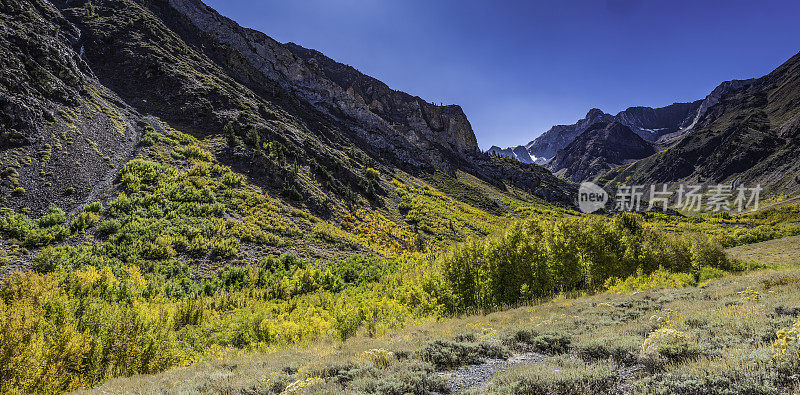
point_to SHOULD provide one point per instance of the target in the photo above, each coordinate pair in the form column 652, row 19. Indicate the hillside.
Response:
column 96, row 94
column 113, row 67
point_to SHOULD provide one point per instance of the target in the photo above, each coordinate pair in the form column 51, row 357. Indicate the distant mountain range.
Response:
column 658, row 125
column 746, row 132
column 650, row 124
column 743, row 131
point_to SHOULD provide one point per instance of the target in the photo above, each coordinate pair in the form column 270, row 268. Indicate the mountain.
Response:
column 604, row 145
column 547, row 145
column 709, row 101
column 519, row 153
column 651, row 124
column 748, row 133
column 84, row 81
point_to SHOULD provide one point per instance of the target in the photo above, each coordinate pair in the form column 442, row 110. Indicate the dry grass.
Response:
column 784, row 251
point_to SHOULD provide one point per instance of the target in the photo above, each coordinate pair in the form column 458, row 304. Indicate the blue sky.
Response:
column 518, row 67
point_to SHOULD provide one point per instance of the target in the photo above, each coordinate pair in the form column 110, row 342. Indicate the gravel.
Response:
column 474, row 376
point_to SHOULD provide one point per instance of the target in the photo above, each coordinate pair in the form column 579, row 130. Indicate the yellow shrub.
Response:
column 786, row 345
column 380, row 357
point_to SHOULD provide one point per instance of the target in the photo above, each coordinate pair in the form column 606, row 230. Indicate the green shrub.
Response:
column 54, row 216
column 109, row 226
column 409, row 377
column 536, row 258
column 557, row 375
column 718, row 384
column 34, row 234
column 450, row 355
column 620, row 349
column 657, row 279
column 533, row 341
column 96, row 207
column 150, row 137
column 83, row 221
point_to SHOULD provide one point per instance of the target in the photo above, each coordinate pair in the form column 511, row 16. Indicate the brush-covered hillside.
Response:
column 178, row 191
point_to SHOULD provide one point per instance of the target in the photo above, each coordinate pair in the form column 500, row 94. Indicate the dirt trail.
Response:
column 475, row 376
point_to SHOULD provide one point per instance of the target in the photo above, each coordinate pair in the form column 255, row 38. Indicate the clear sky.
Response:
column 519, row 67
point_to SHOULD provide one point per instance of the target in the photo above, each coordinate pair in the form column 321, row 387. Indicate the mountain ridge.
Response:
column 745, row 137
column 290, row 126
column 649, row 123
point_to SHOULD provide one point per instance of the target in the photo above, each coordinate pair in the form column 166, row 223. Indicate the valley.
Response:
column 191, row 206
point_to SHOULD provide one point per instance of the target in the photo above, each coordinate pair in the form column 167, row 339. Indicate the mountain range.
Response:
column 750, row 135
column 66, row 105
column 651, row 124
column 743, row 131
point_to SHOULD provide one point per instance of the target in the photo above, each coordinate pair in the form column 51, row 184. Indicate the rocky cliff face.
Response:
column 603, row 146
column 700, row 112
column 446, row 126
column 652, row 124
column 340, row 90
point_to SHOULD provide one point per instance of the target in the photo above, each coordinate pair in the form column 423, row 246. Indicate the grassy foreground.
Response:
column 736, row 334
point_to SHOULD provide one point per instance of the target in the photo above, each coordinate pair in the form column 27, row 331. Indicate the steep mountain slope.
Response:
column 84, row 78
column 709, row 101
column 62, row 134
column 602, row 146
column 751, row 135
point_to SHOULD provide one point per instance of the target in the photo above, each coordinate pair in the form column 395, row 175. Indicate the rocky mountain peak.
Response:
column 595, row 113
column 602, row 146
